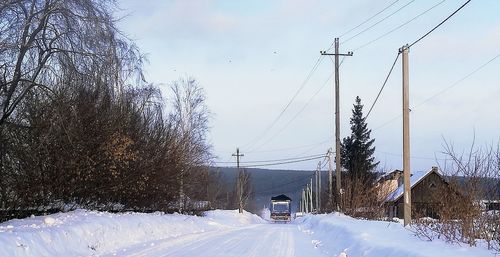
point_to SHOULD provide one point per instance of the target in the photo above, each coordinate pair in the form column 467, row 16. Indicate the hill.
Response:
column 267, row 183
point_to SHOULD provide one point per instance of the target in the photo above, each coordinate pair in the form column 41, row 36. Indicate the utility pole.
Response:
column 238, row 155
column 306, row 195
column 239, row 186
column 330, row 180
column 302, row 201
column 311, row 207
column 319, row 187
column 406, row 137
column 337, row 119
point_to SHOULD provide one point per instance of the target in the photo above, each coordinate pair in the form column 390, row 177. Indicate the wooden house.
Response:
column 424, row 187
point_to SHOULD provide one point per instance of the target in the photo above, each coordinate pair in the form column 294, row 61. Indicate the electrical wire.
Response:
column 273, row 189
column 442, row 91
column 314, row 147
column 388, row 122
column 279, row 160
column 383, row 85
column 398, row 27
column 378, row 22
column 296, row 115
column 309, row 75
column 411, row 157
column 281, row 163
column 369, row 19
column 458, row 81
column 437, row 26
column 324, row 165
column 292, row 148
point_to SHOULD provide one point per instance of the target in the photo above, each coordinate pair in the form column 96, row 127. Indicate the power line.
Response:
column 378, row 22
column 324, row 164
column 280, row 160
column 297, row 114
column 437, row 26
column 458, row 81
column 314, row 147
column 272, row 189
column 280, row 163
column 383, row 85
column 388, row 122
column 412, row 157
column 442, row 91
column 369, row 19
column 313, row 69
column 400, row 26
column 292, row 148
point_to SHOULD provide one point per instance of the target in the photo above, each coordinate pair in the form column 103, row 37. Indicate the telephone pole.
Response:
column 239, row 186
column 238, row 155
column 337, row 119
column 330, row 180
column 406, row 138
column 319, row 187
column 316, row 199
column 311, row 207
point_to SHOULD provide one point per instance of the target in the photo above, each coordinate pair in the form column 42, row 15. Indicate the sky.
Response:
column 252, row 57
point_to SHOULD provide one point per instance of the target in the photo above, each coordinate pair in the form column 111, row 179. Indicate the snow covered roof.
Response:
column 388, row 175
column 415, row 178
column 280, row 198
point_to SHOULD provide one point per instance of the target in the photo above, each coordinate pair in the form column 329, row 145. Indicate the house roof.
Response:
column 388, row 175
column 281, row 198
column 415, row 178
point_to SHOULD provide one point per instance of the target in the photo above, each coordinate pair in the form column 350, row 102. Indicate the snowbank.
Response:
column 89, row 233
column 338, row 234
column 233, row 218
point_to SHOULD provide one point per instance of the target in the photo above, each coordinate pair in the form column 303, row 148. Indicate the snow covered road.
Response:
column 259, row 240
column 216, row 233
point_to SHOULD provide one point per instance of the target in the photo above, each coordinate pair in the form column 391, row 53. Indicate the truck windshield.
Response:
column 280, row 207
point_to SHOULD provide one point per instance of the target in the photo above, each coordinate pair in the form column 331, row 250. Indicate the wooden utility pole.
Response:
column 304, row 199
column 238, row 155
column 319, row 187
column 330, row 180
column 337, row 120
column 311, row 207
column 239, row 185
column 406, row 138
column 301, row 206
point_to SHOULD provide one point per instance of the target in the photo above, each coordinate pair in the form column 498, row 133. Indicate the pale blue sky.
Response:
column 252, row 56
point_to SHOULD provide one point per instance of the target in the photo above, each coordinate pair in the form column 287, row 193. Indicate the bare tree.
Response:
column 40, row 40
column 472, row 176
column 243, row 189
column 191, row 116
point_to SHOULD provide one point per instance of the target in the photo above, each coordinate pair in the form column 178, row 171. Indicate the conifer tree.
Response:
column 357, row 149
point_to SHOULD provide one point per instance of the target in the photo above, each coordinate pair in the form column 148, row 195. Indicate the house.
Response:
column 388, row 183
column 424, row 186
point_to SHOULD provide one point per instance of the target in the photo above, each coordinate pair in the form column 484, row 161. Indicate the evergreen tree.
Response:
column 357, row 149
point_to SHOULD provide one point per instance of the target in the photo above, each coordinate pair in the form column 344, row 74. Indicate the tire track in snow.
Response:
column 263, row 240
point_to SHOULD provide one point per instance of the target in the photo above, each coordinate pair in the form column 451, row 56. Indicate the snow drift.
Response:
column 340, row 235
column 90, row 233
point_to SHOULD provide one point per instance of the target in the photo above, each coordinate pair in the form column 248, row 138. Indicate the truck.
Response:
column 281, row 208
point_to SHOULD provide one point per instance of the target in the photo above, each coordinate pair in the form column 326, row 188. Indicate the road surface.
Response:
column 262, row 240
